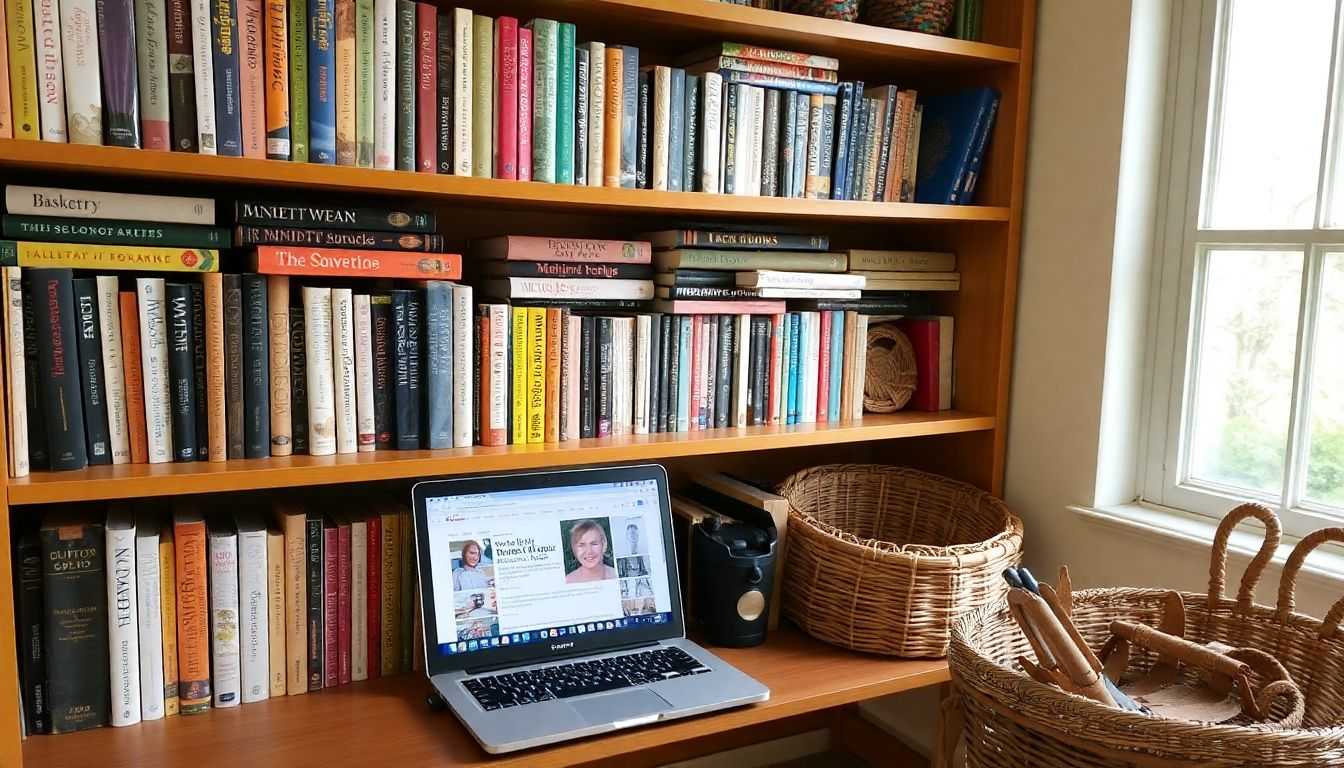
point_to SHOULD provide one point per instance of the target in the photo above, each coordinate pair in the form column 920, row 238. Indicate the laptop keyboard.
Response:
column 579, row 678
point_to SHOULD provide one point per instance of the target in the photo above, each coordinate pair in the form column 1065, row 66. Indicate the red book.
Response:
column 717, row 307
column 426, row 98
column 524, row 104
column 773, row 413
column 534, row 248
column 923, row 334
column 824, row 369
column 330, row 603
column 135, row 383
column 343, row 602
column 506, row 98
column 693, row 413
column 375, row 536
column 338, row 262
column 252, row 79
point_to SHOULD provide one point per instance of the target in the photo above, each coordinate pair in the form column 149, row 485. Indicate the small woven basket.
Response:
column 1011, row 721
column 884, row 559
column 890, row 376
column 844, row 10
column 931, row 16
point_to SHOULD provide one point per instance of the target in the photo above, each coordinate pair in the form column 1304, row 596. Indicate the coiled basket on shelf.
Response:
column 933, row 17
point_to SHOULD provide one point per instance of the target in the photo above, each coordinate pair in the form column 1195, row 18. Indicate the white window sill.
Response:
column 1325, row 566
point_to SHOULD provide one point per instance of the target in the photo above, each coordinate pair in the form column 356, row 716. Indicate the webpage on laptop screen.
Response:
column 531, row 565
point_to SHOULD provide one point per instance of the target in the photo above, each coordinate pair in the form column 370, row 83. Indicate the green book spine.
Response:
column 482, row 95
column 364, row 83
column 54, row 229
column 545, row 41
column 298, row 80
column 9, row 253
column 564, row 106
column 405, row 85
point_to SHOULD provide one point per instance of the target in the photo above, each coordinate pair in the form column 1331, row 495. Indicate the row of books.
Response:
column 144, row 612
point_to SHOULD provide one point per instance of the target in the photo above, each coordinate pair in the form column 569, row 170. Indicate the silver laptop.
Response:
column 551, row 608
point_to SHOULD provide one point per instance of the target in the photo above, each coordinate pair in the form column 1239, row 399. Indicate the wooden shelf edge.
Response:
column 142, row 480
column 178, row 166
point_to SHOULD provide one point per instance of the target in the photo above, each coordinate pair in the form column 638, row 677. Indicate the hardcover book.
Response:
column 227, row 88
column 193, row 609
column 123, row 623
column 321, row 65
column 337, row 238
column 225, row 667
column 252, row 77
column 256, row 376
column 116, row 48
column 181, row 371
column 278, row 214
column 298, row 80
column 97, row 434
column 74, row 595
column 276, row 37
column 324, row 262
column 52, row 296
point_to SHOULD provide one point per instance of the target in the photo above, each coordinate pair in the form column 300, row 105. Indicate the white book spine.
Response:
column 746, row 120
column 500, row 391
column 149, row 604
column 359, row 600
column 343, row 369
column 756, row 139
column 860, row 365
column 572, row 340
column 225, row 678
column 154, row 366
column 317, row 349
column 123, row 626
column 385, row 82
column 627, row 390
column 151, row 47
column 50, row 71
column 254, row 615
column 83, row 71
column 462, row 101
column 109, row 322
column 743, row 361
column 769, row 278
column 83, row 204
column 662, row 121
column 709, row 134
column 641, row 412
column 813, row 370
column 364, row 425
column 463, row 328
column 16, row 401
column 597, row 109
column 204, row 76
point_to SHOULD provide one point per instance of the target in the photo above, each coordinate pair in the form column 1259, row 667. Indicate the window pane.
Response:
column 1325, row 455
column 1247, row 336
column 1267, row 139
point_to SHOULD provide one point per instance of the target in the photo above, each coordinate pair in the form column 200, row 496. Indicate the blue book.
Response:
column 786, row 372
column 564, row 104
column 676, row 124
column 982, row 134
column 802, row 111
column 629, row 113
column 844, row 123
column 728, row 139
column 947, row 142
column 321, row 82
column 690, row 147
column 439, row 364
column 778, row 83
column 684, row 382
column 228, row 96
column 795, row 364
column 837, row 343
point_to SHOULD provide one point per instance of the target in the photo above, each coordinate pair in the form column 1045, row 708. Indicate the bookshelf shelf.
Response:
column 298, row 178
column 140, row 480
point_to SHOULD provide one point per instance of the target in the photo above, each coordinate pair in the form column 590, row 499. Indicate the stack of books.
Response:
column 575, row 272
column 899, row 282
column 158, row 611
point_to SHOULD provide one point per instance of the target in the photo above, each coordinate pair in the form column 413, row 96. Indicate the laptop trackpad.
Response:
column 640, row 705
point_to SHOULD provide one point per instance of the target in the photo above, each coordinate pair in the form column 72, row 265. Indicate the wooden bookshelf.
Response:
column 386, row 721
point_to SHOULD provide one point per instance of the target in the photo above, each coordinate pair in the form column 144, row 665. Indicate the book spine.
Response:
column 482, row 100
column 343, row 369
column 53, row 300
column 167, row 608
column 557, row 249
column 545, row 95
column 275, row 612
column 22, row 69
column 17, row 375
column 253, row 616
column 68, row 230
column 777, row 69
column 50, row 76
column 214, row 402
column 134, row 377
column 406, row 322
column 518, row 377
column 407, row 598
column 389, row 633
column 438, row 365
column 660, row 113
column 123, row 625
column 298, row 373
column 75, row 626
column 685, row 373
column 643, row 126
column 81, row 69
column 613, row 92
column 443, row 124
column 94, row 387
column 855, row 141
column 193, row 617
column 30, row 641
column 365, row 431
column 317, row 333
column 313, row 579
column 341, row 239
column 226, row 670
column 536, row 374
column 359, row 600
column 278, row 356
column 150, row 628
column 525, row 83
column 730, row 154
column 252, row 77
column 343, row 83
column 321, row 80
column 676, row 117
column 364, row 83
column 788, row 119
column 462, row 366
column 758, row 53
column 564, row 103
column 570, row 391
column 375, row 599
column 32, row 387
column 330, row 605
column 343, row 672
column 692, row 126
column 384, row 340
column 839, row 150
column 426, row 94
column 463, row 56
column 81, row 256
column 711, row 135
column 740, row 261
column 224, row 52
column 156, row 354
column 770, row 146
column 116, row 49
column 256, row 378
column 604, row 351
column 582, row 114
column 298, row 80
column 406, row 86
column 587, row 378
column 385, row 84
column 293, row 525
column 276, row 40
column 554, row 324
column 496, row 415
column 181, row 371
column 629, row 114
column 641, row 383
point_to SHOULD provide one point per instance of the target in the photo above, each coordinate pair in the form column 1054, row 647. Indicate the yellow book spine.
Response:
column 275, row 620
column 22, row 68
column 121, row 257
column 391, row 623
column 519, row 382
column 536, row 375
column 168, row 609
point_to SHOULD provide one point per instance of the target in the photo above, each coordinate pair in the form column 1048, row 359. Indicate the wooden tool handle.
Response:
column 1179, row 648
column 1072, row 662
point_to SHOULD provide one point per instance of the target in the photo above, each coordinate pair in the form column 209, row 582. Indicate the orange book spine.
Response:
column 277, row 80
column 193, row 626
column 252, row 77
column 134, row 374
column 554, row 334
column 611, row 129
column 336, row 262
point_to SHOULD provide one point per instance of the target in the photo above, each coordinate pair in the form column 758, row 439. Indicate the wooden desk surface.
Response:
column 386, row 721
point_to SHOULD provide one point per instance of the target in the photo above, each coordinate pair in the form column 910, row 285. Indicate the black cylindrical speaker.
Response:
column 732, row 578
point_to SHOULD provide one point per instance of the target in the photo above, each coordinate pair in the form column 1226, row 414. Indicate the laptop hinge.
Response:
column 559, row 657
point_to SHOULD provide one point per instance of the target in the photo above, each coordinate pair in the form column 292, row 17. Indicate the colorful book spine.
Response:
column 228, row 98
column 597, row 111
column 525, row 104
column 193, row 612
column 23, row 94
column 365, row 80
column 321, row 82
column 385, row 84
column 535, row 343
column 276, row 36
column 252, row 76
column 629, row 127
column 335, row 238
column 82, row 70
column 506, row 103
column 365, row 422
column 564, row 104
column 482, row 99
column 280, row 260
column 343, row 369
column 344, row 95
column 518, row 374
column 443, row 124
column 119, row 257
column 320, row 382
column 181, row 88
column 168, row 617
column 278, row 357
column 406, row 310
column 226, row 668
column 426, row 88
column 438, row 365
column 116, row 47
column 50, row 72
column 545, row 85
column 298, row 80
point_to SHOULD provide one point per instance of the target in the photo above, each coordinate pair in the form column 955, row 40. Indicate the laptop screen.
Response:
column 536, row 565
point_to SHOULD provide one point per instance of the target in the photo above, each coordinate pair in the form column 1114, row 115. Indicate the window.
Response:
column 1247, row 397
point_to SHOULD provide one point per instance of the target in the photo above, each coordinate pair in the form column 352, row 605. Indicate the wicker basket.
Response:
column 884, row 559
column 890, row 377
column 1009, row 719
column 931, row 16
column 844, row 10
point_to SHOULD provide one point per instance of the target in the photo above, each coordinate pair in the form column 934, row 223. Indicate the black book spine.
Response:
column 655, row 350
column 37, row 428
column 605, row 305
column 198, row 365
column 690, row 167
column 664, row 366
column 97, row 433
column 181, row 79
column 674, row 371
column 313, row 571
column 406, row 390
column 587, row 377
column 339, row 238
column 62, row 407
column 724, row 378
column 888, row 116
column 770, row 146
column 844, row 126
column 710, row 292
column 406, row 85
column 32, row 655
column 605, row 370
column 480, row 341
column 74, row 596
column 760, row 370
column 704, row 277
column 643, row 131
column 256, row 369
column 298, row 378
column 444, row 70
column 582, row 103
column 275, row 214
column 181, row 371
column 728, row 168
column 415, row 355
column 384, row 346
column 853, row 142
column 577, row 269
column 233, row 364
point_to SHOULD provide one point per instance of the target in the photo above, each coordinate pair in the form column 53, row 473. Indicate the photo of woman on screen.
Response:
column 470, row 574
column 589, row 545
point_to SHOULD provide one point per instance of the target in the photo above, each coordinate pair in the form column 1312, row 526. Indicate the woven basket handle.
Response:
column 1288, row 584
column 1218, row 566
